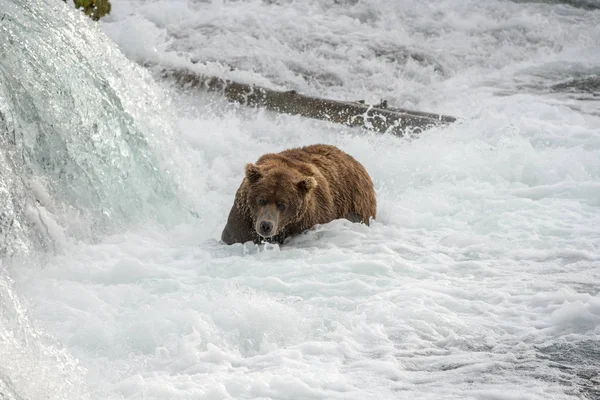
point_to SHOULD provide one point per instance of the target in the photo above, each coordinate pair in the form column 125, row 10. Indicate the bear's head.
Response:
column 276, row 197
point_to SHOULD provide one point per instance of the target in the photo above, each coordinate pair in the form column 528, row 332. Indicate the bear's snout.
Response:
column 267, row 221
column 266, row 228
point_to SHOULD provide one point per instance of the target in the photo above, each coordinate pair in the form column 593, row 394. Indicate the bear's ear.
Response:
column 253, row 173
column 307, row 184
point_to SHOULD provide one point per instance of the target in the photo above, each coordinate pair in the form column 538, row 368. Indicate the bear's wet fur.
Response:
column 286, row 193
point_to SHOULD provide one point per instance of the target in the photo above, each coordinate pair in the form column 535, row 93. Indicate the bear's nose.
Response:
column 266, row 227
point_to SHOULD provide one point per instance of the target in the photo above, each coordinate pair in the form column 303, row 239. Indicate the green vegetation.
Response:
column 95, row 9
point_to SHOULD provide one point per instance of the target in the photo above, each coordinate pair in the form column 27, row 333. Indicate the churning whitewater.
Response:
column 480, row 278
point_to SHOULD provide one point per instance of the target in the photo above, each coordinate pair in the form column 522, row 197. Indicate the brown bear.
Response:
column 286, row 193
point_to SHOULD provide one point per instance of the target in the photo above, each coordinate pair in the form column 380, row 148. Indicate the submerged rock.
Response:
column 588, row 84
column 586, row 4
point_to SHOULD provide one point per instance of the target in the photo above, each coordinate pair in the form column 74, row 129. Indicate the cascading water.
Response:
column 73, row 142
column 76, row 160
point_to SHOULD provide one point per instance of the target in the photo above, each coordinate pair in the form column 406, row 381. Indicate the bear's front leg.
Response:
column 238, row 228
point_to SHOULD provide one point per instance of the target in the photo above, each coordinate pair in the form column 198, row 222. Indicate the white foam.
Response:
column 484, row 250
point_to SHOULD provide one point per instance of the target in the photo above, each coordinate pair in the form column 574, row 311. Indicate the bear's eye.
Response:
column 281, row 206
column 262, row 202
